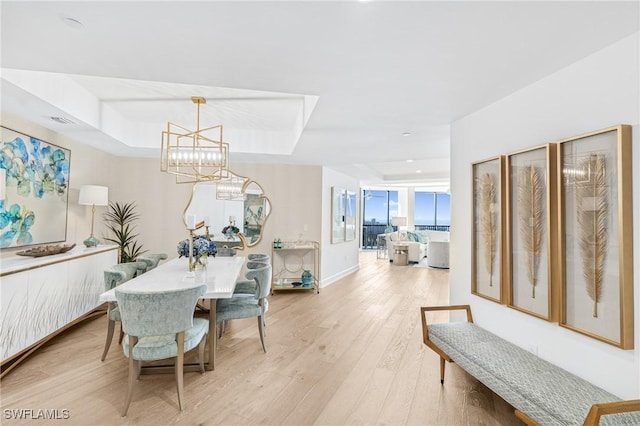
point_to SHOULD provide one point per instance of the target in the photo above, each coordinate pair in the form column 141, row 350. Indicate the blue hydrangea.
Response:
column 201, row 246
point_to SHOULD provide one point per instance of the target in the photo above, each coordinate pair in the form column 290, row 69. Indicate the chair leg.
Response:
column 180, row 369
column 121, row 335
column 261, row 330
column 203, row 344
column 220, row 329
column 132, row 377
column 107, row 344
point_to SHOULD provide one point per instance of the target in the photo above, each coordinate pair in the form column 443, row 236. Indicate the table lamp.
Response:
column 399, row 221
column 93, row 195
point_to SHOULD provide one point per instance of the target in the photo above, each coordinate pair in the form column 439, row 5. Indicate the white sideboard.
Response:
column 40, row 296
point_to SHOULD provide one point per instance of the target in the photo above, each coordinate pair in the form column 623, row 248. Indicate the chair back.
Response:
column 262, row 276
column 226, row 252
column 156, row 313
column 255, row 264
column 152, row 259
column 259, row 257
column 122, row 272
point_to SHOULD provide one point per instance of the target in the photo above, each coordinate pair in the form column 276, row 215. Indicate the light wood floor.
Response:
column 352, row 354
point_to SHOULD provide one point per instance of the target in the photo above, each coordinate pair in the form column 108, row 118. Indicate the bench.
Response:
column 540, row 392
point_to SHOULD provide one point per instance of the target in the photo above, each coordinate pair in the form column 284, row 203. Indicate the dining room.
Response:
column 349, row 355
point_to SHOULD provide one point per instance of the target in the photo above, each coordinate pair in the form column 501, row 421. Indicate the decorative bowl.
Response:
column 47, row 250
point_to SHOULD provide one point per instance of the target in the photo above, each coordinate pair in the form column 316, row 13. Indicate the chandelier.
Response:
column 194, row 156
column 231, row 188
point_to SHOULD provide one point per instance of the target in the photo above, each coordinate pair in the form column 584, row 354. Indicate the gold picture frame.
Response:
column 531, row 231
column 596, row 235
column 487, row 242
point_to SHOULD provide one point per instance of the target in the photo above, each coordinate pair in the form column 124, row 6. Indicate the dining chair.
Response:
column 152, row 259
column 160, row 325
column 248, row 286
column 248, row 307
column 226, row 252
column 114, row 276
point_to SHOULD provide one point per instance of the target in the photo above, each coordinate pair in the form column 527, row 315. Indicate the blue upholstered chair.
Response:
column 226, row 252
column 114, row 276
column 152, row 260
column 248, row 307
column 160, row 325
column 259, row 257
column 248, row 286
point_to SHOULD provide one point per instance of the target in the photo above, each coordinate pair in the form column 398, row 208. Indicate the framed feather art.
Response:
column 595, row 199
column 531, row 231
column 487, row 228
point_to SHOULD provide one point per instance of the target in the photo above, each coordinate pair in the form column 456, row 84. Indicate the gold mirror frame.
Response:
column 244, row 240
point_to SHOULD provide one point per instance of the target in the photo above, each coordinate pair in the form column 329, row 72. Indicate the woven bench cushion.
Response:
column 545, row 392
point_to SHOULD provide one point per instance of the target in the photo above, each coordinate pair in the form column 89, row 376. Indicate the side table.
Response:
column 400, row 254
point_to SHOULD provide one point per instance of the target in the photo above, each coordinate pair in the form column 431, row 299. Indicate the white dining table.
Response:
column 220, row 277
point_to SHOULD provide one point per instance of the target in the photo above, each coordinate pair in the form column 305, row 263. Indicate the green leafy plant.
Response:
column 120, row 220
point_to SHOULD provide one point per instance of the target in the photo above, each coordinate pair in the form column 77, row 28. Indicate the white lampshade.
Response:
column 399, row 221
column 94, row 195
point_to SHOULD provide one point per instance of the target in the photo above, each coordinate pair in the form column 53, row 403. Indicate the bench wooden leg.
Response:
column 442, row 361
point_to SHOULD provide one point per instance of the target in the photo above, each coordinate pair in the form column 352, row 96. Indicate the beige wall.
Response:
column 88, row 166
column 295, row 193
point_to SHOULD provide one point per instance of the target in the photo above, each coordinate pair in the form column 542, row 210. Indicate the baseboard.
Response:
column 336, row 277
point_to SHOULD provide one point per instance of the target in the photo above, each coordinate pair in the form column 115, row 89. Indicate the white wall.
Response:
column 597, row 92
column 341, row 259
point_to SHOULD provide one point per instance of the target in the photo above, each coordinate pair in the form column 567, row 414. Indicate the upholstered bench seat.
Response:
column 544, row 392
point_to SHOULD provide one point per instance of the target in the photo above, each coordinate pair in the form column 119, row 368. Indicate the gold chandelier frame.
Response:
column 194, row 156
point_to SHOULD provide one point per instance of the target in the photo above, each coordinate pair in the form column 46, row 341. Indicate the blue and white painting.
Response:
column 34, row 209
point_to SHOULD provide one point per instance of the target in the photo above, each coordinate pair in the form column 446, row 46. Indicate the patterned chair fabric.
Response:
column 546, row 393
column 248, row 307
column 248, row 287
column 160, row 325
column 152, row 260
column 114, row 276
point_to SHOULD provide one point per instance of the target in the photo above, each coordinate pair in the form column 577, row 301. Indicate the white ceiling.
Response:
column 321, row 83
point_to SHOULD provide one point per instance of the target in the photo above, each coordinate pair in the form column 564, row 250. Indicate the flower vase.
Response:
column 202, row 261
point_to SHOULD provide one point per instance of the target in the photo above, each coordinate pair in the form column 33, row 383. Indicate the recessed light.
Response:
column 72, row 23
column 418, row 171
column 409, row 161
column 405, row 134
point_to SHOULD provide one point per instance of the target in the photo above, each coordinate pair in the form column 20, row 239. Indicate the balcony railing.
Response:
column 371, row 232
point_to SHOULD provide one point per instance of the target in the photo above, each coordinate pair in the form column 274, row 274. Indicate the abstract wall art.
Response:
column 34, row 208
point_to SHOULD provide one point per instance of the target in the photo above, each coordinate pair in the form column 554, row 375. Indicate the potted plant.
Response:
column 120, row 220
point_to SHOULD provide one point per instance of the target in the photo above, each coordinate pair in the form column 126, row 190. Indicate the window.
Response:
column 378, row 207
column 432, row 211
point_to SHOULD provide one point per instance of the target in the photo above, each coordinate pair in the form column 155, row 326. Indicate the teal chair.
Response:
column 226, row 252
column 152, row 260
column 248, row 307
column 114, row 276
column 160, row 325
column 259, row 257
column 248, row 286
